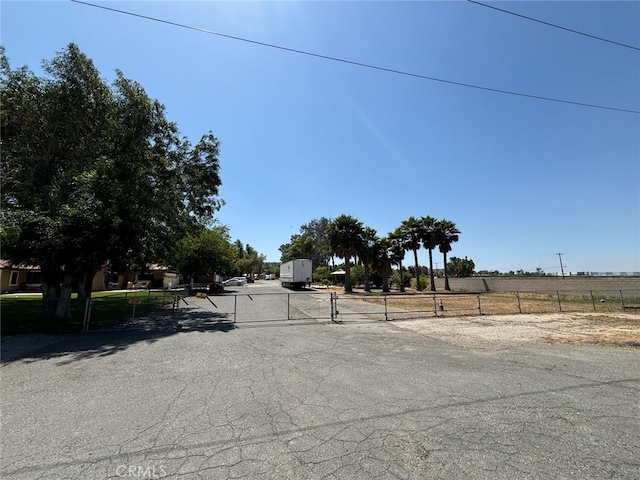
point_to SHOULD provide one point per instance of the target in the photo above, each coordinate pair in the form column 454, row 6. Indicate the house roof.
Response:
column 8, row 265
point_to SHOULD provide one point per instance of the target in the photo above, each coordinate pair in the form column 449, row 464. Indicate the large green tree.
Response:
column 345, row 238
column 92, row 173
column 464, row 267
column 312, row 242
column 249, row 260
column 205, row 253
column 301, row 246
column 317, row 229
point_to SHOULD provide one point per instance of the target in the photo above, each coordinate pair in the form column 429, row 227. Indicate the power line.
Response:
column 554, row 25
column 359, row 64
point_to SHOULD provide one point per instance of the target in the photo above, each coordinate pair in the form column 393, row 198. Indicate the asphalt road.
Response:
column 313, row 399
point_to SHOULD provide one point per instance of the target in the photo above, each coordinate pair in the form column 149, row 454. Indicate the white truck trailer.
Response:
column 296, row 273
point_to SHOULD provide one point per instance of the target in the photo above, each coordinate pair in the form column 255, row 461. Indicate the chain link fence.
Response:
column 198, row 308
column 395, row 306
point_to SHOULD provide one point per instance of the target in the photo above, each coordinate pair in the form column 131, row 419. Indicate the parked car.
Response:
column 235, row 281
column 249, row 279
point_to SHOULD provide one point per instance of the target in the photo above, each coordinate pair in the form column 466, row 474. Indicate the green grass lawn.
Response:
column 23, row 313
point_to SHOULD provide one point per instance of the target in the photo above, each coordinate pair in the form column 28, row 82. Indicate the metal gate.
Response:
column 208, row 309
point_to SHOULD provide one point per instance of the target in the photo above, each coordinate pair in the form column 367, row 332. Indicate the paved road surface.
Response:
column 313, row 400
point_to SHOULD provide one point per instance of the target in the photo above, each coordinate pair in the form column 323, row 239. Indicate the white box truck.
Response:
column 296, row 273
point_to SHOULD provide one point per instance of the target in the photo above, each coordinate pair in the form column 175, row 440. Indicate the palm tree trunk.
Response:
column 367, row 286
column 415, row 257
column 401, row 277
column 347, row 277
column 385, row 283
column 446, row 277
column 432, row 282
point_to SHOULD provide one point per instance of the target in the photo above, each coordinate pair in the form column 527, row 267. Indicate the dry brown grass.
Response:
column 460, row 320
column 493, row 303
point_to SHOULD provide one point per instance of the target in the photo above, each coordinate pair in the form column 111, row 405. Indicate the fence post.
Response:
column 593, row 301
column 87, row 315
column 519, row 306
column 124, row 309
column 334, row 307
column 173, row 307
column 435, row 305
column 559, row 303
column 331, row 305
column 386, row 318
column 479, row 306
column 622, row 298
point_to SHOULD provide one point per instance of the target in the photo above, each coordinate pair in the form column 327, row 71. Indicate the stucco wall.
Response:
column 540, row 284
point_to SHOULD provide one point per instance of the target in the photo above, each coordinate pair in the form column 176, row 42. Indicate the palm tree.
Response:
column 430, row 241
column 345, row 238
column 382, row 260
column 301, row 246
column 367, row 253
column 447, row 233
column 396, row 252
column 412, row 234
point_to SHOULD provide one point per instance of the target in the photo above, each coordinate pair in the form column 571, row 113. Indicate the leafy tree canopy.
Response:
column 345, row 235
column 94, row 172
column 249, row 260
column 301, row 246
column 206, row 253
column 312, row 242
column 461, row 267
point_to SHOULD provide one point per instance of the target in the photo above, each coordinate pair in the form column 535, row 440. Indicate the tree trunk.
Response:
column 433, row 283
column 415, row 256
column 78, row 281
column 50, row 288
column 347, row 277
column 85, row 284
column 385, row 279
column 50, row 294
column 401, row 277
column 367, row 286
column 446, row 276
column 64, row 302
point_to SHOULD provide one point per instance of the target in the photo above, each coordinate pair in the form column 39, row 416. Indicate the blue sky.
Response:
column 305, row 137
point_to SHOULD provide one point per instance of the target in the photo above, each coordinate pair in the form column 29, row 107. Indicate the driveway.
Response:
column 312, row 400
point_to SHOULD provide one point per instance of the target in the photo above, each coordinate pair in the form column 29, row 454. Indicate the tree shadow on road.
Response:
column 100, row 343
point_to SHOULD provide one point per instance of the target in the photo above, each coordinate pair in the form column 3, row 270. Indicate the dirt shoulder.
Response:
column 617, row 330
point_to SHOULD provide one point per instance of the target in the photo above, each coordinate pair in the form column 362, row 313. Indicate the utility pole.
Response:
column 561, row 267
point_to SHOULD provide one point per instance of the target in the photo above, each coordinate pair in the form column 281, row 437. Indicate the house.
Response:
column 154, row 276
column 25, row 278
column 19, row 278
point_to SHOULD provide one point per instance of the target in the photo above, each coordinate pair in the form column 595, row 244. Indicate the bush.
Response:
column 321, row 275
column 424, row 282
column 395, row 279
column 357, row 275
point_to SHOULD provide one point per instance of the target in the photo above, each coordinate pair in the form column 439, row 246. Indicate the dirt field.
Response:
column 619, row 330
column 472, row 320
